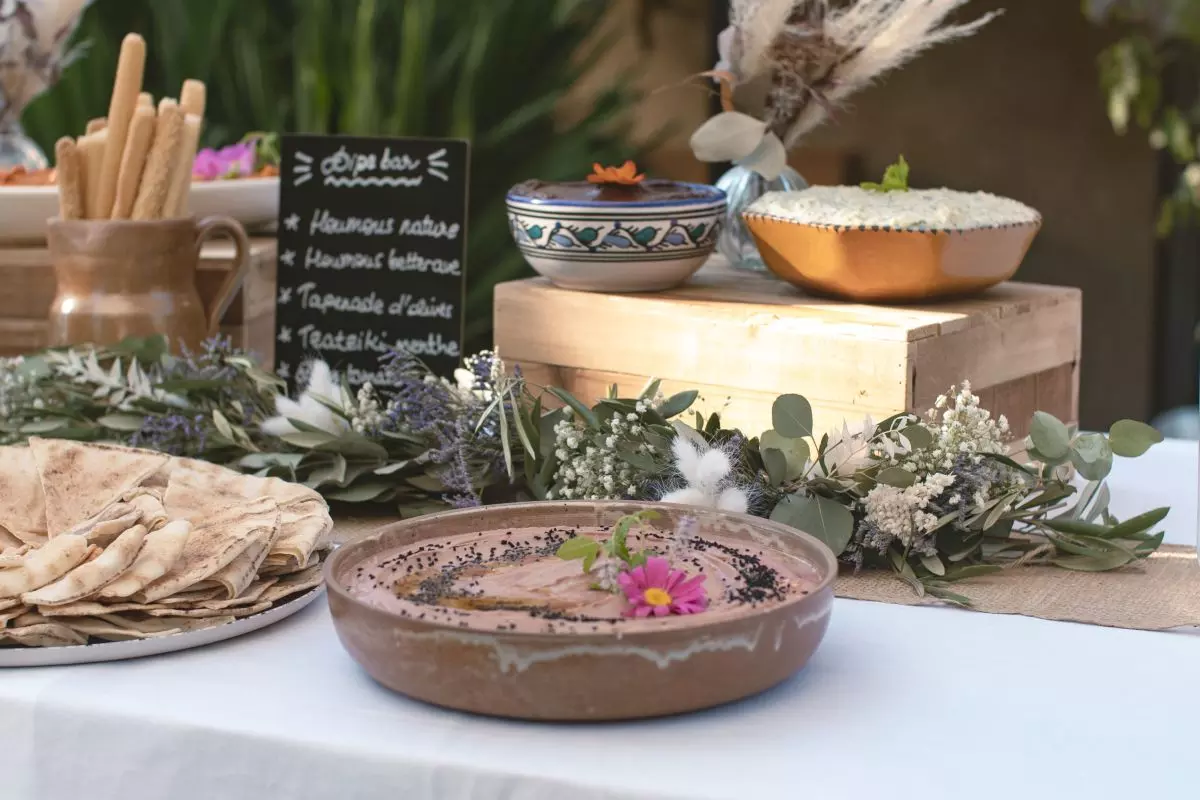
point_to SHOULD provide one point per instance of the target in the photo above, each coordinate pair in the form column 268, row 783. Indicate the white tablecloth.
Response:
column 898, row 702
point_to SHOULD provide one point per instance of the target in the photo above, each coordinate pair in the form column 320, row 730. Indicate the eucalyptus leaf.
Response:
column 45, row 425
column 999, row 510
column 1050, row 436
column 546, row 425
column 222, row 425
column 919, row 436
column 676, row 404
column 1102, row 563
column 639, row 461
column 1131, row 439
column 896, row 476
column 333, row 472
column 1139, row 523
column 795, row 452
column 791, row 416
column 776, row 465
column 1099, row 505
column 827, row 520
column 361, row 493
column 933, row 564
column 426, row 483
column 650, row 389
column 960, row 573
column 260, row 460
column 351, row 443
column 950, row 597
column 1076, row 526
column 584, row 413
column 307, row 440
column 1052, row 494
column 1092, row 456
column 505, row 440
column 122, row 422
column 1151, row 544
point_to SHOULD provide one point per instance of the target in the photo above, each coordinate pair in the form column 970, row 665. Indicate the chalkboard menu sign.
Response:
column 372, row 254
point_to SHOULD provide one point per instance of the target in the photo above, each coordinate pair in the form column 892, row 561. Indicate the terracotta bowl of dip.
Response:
column 543, row 667
column 601, row 238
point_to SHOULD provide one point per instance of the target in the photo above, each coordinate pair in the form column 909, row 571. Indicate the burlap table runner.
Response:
column 1160, row 593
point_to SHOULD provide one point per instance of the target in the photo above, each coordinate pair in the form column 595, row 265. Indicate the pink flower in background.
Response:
column 657, row 590
column 228, row 162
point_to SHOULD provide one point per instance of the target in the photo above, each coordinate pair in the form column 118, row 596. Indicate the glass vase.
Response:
column 743, row 186
column 18, row 150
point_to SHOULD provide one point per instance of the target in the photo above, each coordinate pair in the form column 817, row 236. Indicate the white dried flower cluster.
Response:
column 920, row 209
column 366, row 414
column 905, row 514
column 710, row 480
column 960, row 428
column 589, row 464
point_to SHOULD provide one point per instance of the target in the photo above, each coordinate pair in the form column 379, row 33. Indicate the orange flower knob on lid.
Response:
column 624, row 175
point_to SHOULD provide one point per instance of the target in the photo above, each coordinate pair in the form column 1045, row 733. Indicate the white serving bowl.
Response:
column 616, row 246
column 254, row 202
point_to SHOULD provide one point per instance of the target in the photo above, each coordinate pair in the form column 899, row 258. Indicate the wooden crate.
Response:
column 742, row 339
column 28, row 278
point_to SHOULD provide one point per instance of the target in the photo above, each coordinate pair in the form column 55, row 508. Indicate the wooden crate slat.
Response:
column 749, row 338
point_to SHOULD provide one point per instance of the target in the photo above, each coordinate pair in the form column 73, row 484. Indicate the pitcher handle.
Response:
column 206, row 229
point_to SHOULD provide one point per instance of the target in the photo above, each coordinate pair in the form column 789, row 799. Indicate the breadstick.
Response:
column 131, row 67
column 91, row 151
column 181, row 174
column 146, row 99
column 164, row 154
column 97, row 124
column 70, row 179
column 137, row 147
column 193, row 97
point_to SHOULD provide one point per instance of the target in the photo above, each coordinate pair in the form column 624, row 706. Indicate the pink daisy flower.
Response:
column 657, row 590
column 228, row 162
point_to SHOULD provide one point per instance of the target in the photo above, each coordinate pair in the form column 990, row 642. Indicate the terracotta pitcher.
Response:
column 119, row 278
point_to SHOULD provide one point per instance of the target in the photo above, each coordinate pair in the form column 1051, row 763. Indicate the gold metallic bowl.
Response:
column 889, row 264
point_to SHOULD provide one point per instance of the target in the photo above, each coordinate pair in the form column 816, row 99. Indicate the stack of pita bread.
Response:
column 107, row 543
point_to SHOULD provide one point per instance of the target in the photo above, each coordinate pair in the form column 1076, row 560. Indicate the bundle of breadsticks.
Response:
column 136, row 163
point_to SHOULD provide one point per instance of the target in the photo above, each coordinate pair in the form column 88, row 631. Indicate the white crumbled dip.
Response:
column 920, row 209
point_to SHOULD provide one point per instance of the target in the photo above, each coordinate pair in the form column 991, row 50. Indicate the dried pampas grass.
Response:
column 794, row 61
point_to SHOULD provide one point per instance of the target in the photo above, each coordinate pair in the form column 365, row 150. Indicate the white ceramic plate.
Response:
column 254, row 202
column 136, row 648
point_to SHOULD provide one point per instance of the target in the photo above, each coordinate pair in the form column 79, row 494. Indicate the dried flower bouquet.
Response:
column 786, row 65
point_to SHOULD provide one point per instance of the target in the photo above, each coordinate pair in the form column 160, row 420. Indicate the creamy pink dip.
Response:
column 511, row 579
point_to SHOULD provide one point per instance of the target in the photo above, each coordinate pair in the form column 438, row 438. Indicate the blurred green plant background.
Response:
column 1158, row 50
column 491, row 71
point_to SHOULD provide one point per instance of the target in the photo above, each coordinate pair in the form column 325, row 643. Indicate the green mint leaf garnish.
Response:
column 579, row 547
column 895, row 179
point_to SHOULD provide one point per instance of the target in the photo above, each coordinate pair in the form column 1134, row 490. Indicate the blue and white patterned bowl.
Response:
column 617, row 246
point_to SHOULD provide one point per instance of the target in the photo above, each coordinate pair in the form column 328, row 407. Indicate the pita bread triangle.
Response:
column 22, row 501
column 81, row 480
